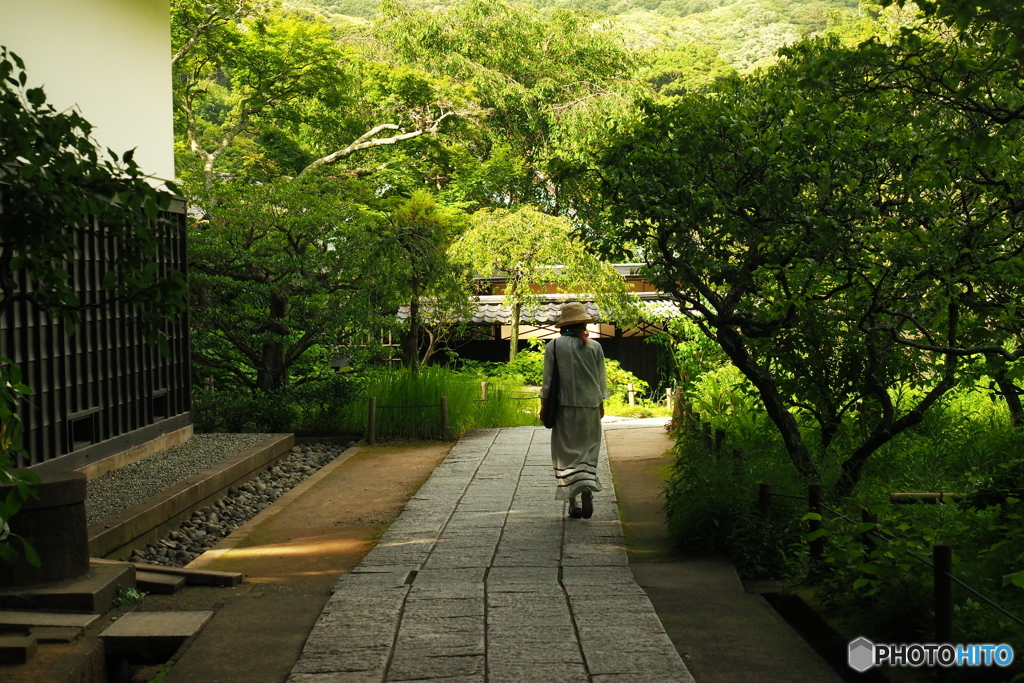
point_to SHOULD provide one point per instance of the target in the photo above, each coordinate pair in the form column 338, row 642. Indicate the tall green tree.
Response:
column 547, row 82
column 532, row 250
column 824, row 242
column 280, row 268
column 268, row 85
column 421, row 233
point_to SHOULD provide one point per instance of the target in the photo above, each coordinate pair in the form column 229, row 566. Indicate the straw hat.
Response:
column 572, row 313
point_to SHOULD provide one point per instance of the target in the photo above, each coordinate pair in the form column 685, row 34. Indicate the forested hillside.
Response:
column 744, row 33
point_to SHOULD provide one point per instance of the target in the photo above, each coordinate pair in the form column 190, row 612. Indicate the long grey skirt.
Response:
column 575, row 445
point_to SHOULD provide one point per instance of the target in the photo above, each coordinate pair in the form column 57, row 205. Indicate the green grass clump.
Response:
column 408, row 406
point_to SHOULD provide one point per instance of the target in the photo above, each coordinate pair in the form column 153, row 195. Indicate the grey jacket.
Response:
column 580, row 369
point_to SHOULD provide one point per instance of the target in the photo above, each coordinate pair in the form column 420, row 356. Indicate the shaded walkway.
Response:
column 483, row 575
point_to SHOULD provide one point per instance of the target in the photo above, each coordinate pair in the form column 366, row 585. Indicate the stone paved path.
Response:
column 484, row 578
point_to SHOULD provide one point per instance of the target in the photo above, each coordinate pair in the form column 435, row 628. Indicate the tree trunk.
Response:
column 1010, row 394
column 412, row 339
column 513, row 337
column 732, row 343
column 432, row 340
column 273, row 373
column 888, row 429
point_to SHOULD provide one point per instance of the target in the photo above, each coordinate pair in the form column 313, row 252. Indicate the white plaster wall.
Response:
column 108, row 58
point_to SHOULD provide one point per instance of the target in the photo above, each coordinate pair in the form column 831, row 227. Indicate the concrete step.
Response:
column 17, row 649
column 15, row 619
column 47, row 635
column 163, row 584
column 93, row 593
column 151, row 637
column 196, row 577
column 193, row 577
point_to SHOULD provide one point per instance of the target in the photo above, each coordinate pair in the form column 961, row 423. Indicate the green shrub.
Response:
column 711, row 503
column 619, row 406
column 314, row 408
column 528, row 364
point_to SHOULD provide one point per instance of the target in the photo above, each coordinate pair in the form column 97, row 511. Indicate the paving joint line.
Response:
column 568, row 600
column 497, row 544
column 440, row 533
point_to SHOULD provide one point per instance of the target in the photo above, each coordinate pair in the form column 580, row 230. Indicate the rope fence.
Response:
column 941, row 563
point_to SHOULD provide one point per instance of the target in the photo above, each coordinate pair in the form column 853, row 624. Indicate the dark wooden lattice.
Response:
column 104, row 388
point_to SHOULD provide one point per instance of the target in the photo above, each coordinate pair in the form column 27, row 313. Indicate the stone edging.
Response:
column 116, row 536
column 236, row 537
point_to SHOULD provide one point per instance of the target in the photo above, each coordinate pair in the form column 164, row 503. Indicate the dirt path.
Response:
column 292, row 554
column 723, row 633
column 640, row 460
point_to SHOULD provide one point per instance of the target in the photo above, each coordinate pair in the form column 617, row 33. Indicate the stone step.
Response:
column 45, row 635
column 151, row 637
column 93, row 593
column 17, row 649
column 196, row 577
column 193, row 577
column 16, row 619
column 162, row 584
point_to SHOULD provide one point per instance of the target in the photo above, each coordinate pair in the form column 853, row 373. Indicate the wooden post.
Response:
column 705, row 435
column 668, row 399
column 814, row 500
column 719, row 440
column 371, row 422
column 483, row 391
column 942, row 558
column 631, row 394
column 445, row 426
column 764, row 501
column 678, row 403
column 866, row 538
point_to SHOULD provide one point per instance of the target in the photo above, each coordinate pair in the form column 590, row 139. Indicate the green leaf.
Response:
column 811, row 516
column 7, row 553
column 30, row 553
column 815, row 535
column 35, row 96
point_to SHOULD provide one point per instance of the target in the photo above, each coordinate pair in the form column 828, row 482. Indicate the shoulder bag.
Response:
column 551, row 402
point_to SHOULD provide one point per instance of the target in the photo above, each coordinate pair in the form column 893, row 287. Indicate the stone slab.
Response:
column 163, row 584
column 142, row 624
column 56, row 634
column 193, row 577
column 483, row 594
column 15, row 619
column 17, row 649
column 151, row 637
column 93, row 593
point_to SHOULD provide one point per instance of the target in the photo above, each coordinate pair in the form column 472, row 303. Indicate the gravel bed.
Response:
column 122, row 488
column 207, row 527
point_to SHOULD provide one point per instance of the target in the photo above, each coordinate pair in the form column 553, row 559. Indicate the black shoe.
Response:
column 576, row 512
column 588, row 504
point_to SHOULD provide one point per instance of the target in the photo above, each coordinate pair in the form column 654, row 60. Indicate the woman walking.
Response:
column 582, row 388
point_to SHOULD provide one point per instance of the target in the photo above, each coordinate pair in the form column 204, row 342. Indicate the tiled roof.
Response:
column 546, row 310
